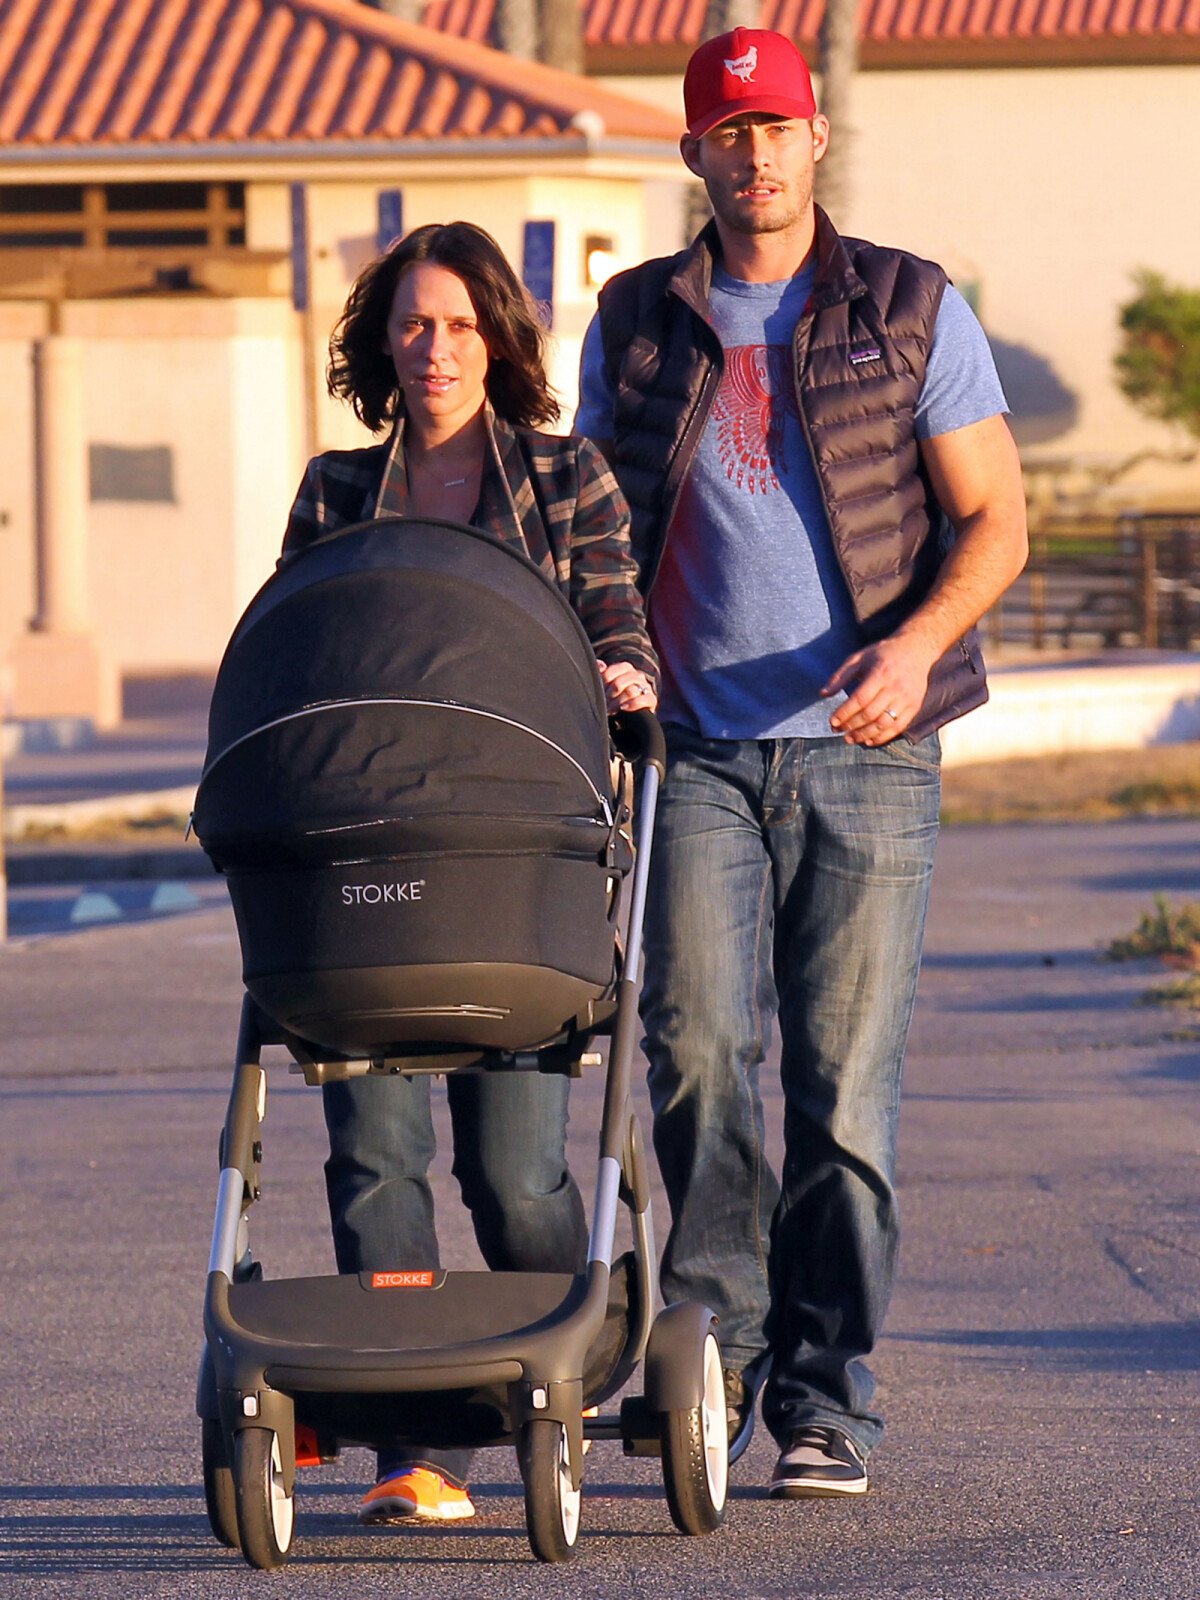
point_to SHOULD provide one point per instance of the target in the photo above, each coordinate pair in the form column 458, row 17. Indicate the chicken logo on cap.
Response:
column 743, row 66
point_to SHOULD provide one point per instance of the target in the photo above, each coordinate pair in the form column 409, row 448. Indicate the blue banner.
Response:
column 300, row 283
column 390, row 214
column 537, row 266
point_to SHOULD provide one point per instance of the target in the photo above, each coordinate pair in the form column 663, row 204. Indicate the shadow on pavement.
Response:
column 1116, row 1347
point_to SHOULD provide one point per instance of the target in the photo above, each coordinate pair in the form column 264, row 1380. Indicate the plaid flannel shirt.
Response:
column 553, row 499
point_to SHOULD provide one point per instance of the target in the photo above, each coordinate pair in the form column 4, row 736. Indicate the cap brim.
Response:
column 772, row 105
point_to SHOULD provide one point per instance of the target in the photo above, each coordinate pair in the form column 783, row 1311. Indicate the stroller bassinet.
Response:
column 420, row 848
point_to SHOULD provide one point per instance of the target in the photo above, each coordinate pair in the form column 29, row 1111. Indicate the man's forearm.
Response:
column 989, row 552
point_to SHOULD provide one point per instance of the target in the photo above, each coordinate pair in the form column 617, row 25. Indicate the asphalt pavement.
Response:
column 1040, row 1373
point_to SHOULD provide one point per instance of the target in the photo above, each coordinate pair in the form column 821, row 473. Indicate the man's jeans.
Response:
column 790, row 877
column 510, row 1162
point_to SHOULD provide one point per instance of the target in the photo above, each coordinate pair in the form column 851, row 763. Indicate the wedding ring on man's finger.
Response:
column 888, row 712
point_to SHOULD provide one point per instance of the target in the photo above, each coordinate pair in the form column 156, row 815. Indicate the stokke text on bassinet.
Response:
column 412, row 793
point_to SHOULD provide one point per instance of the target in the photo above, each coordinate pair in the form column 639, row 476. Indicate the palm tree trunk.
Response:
column 517, row 32
column 839, row 63
column 722, row 16
column 562, row 34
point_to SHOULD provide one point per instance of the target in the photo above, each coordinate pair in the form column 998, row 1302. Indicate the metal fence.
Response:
column 1125, row 581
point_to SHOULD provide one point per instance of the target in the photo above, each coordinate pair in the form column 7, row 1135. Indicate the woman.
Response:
column 440, row 341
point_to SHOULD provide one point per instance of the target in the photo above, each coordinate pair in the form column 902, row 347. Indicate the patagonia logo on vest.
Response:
column 860, row 354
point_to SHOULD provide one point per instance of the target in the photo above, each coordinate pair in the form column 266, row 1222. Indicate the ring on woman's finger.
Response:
column 888, row 712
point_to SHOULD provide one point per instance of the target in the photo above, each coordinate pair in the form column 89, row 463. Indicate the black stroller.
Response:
column 426, row 832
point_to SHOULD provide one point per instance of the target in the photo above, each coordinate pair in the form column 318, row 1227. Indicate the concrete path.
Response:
column 1040, row 1373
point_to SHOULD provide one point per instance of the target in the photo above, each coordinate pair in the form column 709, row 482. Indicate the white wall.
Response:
column 216, row 383
column 1055, row 185
column 17, row 528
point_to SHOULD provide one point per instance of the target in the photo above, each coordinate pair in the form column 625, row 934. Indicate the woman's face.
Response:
column 434, row 341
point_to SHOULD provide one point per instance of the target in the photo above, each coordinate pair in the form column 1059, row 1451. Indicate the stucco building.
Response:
column 186, row 192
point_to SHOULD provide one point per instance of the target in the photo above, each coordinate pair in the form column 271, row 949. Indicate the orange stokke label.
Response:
column 402, row 1280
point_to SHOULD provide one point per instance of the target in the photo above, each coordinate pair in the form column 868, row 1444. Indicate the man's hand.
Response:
column 626, row 687
column 885, row 684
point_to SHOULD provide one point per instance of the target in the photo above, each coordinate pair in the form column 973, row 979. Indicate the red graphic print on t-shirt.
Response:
column 754, row 399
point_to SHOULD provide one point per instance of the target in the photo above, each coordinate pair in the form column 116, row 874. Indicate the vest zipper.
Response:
column 812, row 453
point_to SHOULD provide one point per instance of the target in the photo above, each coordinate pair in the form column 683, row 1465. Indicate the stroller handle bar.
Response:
column 638, row 736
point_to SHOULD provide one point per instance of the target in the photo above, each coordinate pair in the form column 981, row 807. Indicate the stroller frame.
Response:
column 280, row 1386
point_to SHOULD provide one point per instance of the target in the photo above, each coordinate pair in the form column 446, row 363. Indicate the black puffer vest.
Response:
column 859, row 354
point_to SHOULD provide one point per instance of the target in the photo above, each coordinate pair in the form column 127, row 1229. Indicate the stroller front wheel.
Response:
column 266, row 1513
column 695, row 1451
column 551, row 1505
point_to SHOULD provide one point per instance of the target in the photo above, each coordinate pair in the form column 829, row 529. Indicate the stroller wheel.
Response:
column 265, row 1512
column 551, row 1505
column 695, row 1451
column 220, row 1500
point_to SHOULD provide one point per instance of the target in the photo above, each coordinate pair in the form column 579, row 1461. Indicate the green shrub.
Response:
column 1158, row 362
column 1164, row 931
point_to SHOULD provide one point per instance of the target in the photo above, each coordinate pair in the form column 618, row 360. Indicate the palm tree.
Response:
column 722, row 16
column 517, row 30
column 839, row 63
column 541, row 30
column 562, row 34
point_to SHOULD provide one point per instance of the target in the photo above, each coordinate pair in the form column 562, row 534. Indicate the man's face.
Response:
column 759, row 169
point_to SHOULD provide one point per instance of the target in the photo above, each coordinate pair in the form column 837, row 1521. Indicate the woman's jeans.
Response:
column 510, row 1162
column 790, row 879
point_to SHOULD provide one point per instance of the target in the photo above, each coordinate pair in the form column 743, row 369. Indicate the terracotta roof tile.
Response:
column 612, row 26
column 183, row 72
column 188, row 52
column 146, row 63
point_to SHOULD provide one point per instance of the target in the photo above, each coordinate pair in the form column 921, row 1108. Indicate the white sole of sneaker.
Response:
column 789, row 1489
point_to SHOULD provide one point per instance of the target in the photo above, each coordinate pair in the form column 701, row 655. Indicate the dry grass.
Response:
column 160, row 827
column 1086, row 786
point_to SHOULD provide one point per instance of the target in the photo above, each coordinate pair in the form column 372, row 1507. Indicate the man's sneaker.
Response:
column 741, row 1395
column 414, row 1492
column 818, row 1461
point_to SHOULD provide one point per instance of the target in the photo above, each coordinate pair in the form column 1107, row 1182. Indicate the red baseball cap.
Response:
column 750, row 69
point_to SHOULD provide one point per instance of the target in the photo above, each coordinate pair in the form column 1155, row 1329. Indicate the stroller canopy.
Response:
column 405, row 685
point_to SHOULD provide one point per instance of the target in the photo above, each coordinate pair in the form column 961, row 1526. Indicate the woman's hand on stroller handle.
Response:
column 626, row 687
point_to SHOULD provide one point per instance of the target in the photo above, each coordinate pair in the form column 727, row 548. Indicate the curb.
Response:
column 33, row 865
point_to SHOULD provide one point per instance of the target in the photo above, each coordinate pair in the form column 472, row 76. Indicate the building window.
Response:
column 599, row 259
column 124, row 472
column 99, row 216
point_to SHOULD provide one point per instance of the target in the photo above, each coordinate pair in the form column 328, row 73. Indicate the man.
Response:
column 826, row 498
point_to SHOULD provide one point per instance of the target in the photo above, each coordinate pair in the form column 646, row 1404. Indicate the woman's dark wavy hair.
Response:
column 360, row 368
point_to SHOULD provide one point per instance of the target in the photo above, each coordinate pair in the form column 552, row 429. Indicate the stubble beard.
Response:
column 752, row 221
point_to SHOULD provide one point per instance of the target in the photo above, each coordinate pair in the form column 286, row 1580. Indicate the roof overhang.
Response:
column 345, row 161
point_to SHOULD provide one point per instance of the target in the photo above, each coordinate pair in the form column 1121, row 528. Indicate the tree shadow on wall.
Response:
column 1042, row 407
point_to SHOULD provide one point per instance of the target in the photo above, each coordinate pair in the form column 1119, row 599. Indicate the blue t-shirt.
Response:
column 750, row 613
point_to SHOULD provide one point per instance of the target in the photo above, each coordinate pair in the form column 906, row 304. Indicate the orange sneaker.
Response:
column 414, row 1492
